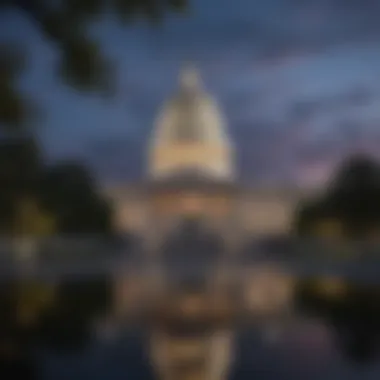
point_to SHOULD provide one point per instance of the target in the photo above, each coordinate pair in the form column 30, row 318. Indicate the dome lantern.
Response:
column 189, row 78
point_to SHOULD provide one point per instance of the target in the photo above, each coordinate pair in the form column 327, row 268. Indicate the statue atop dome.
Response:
column 189, row 78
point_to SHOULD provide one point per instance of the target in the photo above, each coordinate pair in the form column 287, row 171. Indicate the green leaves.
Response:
column 67, row 191
column 12, row 62
column 17, row 112
column 84, row 9
column 352, row 199
column 57, row 25
column 13, row 108
column 177, row 5
column 83, row 65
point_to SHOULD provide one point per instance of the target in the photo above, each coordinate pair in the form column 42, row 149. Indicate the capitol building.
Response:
column 191, row 171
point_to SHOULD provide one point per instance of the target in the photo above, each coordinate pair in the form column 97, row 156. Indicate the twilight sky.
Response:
column 298, row 82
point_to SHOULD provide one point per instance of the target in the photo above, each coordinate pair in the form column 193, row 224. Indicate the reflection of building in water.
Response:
column 191, row 170
column 189, row 199
column 191, row 340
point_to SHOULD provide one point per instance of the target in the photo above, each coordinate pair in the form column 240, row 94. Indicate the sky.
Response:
column 298, row 82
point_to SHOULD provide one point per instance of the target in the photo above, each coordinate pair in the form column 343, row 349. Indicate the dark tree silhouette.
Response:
column 359, row 171
column 67, row 325
column 309, row 213
column 82, row 63
column 66, row 193
column 354, row 317
column 355, row 195
column 357, row 324
column 15, row 339
column 20, row 168
column 353, row 200
column 35, row 199
column 71, row 195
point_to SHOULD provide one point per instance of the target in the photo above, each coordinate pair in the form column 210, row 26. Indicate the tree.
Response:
column 67, row 324
column 308, row 214
column 352, row 201
column 69, row 193
column 36, row 199
column 352, row 198
column 357, row 172
column 31, row 220
column 20, row 169
column 357, row 325
column 42, row 200
column 39, row 200
column 82, row 64
column 355, row 195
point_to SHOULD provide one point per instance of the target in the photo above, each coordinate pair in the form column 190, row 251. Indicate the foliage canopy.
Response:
column 82, row 64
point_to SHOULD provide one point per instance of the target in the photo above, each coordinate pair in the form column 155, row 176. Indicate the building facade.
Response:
column 191, row 170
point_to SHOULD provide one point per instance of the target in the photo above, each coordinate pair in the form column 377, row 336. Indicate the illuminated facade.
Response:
column 191, row 170
column 192, row 175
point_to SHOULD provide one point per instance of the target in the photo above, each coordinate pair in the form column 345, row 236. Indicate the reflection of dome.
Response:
column 190, row 131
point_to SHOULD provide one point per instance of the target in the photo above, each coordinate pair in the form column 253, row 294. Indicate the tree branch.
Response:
column 36, row 9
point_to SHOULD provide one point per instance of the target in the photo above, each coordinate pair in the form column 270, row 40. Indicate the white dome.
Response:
column 191, row 115
column 190, row 133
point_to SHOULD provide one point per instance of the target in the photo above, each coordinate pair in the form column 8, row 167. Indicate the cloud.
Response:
column 303, row 110
column 315, row 151
column 270, row 33
column 359, row 95
column 285, row 73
